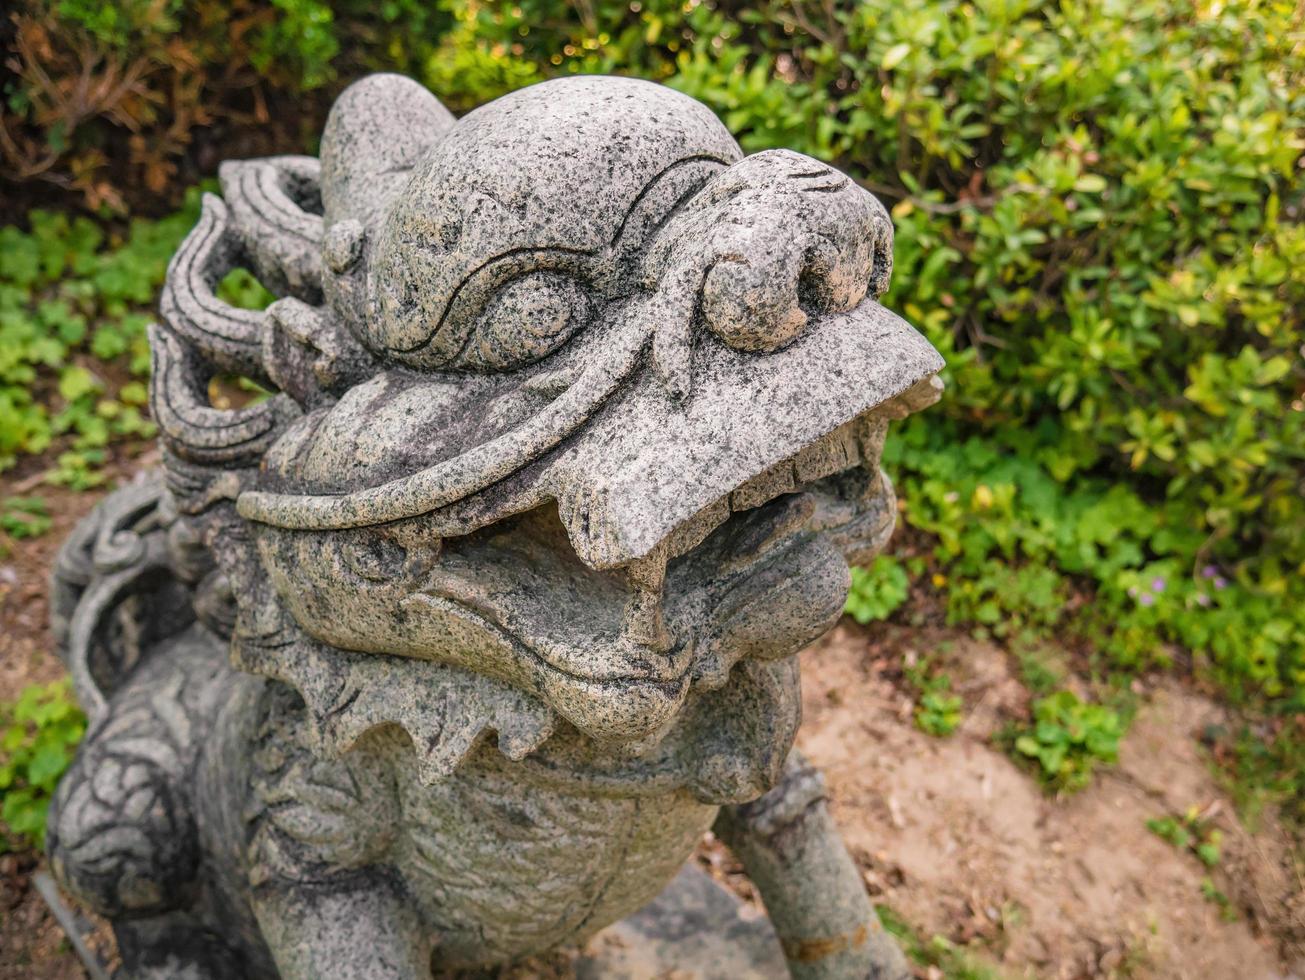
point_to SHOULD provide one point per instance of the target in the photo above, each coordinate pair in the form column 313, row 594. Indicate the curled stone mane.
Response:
column 270, row 221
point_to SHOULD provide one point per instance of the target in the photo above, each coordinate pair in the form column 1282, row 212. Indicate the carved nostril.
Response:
column 821, row 288
column 753, row 308
column 881, row 271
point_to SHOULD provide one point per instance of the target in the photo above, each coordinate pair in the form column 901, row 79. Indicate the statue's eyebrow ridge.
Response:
column 556, row 249
column 697, row 158
column 457, row 290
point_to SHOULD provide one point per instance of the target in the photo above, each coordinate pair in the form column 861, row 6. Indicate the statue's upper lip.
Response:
column 645, row 466
column 640, row 464
column 630, row 664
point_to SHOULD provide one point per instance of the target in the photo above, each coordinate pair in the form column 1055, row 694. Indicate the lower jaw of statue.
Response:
column 738, row 608
column 766, row 583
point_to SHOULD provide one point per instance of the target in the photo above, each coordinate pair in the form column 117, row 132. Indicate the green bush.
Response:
column 877, row 590
column 74, row 303
column 73, row 357
column 38, row 733
column 938, row 713
column 1098, row 224
column 1068, row 740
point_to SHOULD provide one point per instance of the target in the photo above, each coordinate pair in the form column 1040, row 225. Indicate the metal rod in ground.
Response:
column 64, row 916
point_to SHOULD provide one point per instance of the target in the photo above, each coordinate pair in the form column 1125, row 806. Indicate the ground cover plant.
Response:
column 1098, row 223
column 1192, row 831
column 73, row 358
column 38, row 734
column 1068, row 739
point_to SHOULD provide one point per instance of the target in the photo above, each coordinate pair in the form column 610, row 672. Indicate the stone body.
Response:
column 449, row 651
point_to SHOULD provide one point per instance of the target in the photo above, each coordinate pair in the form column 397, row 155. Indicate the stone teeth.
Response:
column 869, row 432
column 642, row 621
column 764, row 487
column 836, row 452
column 852, row 447
column 856, row 443
column 779, row 521
column 695, row 530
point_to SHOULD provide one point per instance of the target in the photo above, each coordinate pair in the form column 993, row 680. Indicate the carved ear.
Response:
column 377, row 130
column 309, row 355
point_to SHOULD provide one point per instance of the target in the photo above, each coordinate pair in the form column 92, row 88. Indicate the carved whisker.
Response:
column 643, row 622
column 195, row 430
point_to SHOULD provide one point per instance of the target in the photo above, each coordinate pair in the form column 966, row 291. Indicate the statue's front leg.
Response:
column 360, row 928
column 794, row 855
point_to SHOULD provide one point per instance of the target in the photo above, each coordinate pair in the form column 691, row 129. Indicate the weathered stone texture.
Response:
column 449, row 651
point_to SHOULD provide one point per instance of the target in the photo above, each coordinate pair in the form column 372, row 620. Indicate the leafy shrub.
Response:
column 38, row 733
column 1068, row 740
column 108, row 99
column 73, row 355
column 1097, row 215
column 936, row 955
column 1190, row 831
column 878, row 590
column 1211, row 893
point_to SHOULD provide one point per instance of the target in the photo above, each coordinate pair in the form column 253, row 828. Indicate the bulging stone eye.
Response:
column 526, row 320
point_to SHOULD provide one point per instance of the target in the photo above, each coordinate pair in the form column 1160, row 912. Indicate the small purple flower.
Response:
column 1220, row 582
column 1202, row 599
column 1132, row 591
column 1147, row 599
column 1209, row 571
column 1157, row 585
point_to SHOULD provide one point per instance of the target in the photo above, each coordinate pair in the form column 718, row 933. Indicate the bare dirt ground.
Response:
column 31, row 943
column 952, row 836
column 962, row 843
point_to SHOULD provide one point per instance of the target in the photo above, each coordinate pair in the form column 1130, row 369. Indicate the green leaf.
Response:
column 76, row 381
column 894, row 56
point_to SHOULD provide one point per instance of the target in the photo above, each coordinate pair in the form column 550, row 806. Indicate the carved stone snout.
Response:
column 771, row 241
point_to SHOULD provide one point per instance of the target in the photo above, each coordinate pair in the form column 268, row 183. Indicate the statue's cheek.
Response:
column 342, row 591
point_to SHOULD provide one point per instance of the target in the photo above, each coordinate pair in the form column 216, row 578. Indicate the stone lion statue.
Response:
column 448, row 651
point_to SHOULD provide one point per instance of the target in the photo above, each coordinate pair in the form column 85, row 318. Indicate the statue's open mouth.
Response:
column 683, row 613
column 832, row 486
column 654, row 549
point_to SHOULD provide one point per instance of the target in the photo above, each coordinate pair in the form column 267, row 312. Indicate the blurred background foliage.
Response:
column 1098, row 223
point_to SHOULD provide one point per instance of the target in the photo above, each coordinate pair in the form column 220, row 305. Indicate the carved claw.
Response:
column 791, row 849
